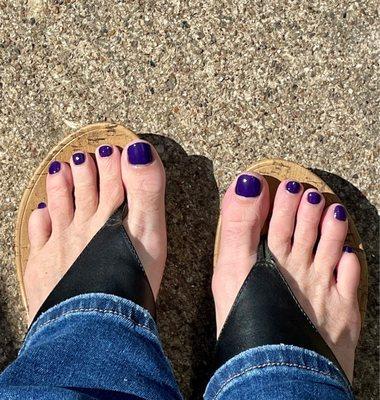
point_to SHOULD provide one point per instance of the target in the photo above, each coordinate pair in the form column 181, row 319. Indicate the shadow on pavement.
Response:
column 186, row 308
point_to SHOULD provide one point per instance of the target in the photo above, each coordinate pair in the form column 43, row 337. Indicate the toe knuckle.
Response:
column 151, row 185
column 58, row 189
column 235, row 229
column 115, row 195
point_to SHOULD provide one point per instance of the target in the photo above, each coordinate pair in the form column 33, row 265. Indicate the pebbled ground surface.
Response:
column 214, row 85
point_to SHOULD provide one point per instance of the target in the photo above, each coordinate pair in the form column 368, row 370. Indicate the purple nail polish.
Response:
column 41, row 205
column 248, row 186
column 348, row 249
column 79, row 158
column 54, row 167
column 293, row 187
column 340, row 213
column 105, row 151
column 314, row 198
column 140, row 153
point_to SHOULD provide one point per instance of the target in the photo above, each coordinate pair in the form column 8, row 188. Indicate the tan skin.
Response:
column 59, row 233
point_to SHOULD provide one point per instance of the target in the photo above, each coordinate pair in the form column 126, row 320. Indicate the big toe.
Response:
column 144, row 182
column 244, row 210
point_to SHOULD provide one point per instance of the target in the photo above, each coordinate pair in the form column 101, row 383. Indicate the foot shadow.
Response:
column 366, row 220
column 186, row 310
column 9, row 342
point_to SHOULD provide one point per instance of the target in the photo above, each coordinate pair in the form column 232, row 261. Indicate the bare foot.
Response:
column 325, row 282
column 60, row 231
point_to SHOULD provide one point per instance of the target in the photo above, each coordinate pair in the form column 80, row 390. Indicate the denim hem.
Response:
column 275, row 356
column 96, row 345
column 94, row 303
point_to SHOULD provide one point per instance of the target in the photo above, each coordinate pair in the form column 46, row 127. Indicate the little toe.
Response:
column 333, row 234
column 85, row 185
column 39, row 227
column 282, row 223
column 59, row 188
column 348, row 274
column 111, row 191
column 307, row 225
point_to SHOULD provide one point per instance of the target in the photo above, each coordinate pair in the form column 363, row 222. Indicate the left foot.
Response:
column 60, row 230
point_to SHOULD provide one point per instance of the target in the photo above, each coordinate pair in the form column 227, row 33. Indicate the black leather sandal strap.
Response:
column 109, row 264
column 266, row 312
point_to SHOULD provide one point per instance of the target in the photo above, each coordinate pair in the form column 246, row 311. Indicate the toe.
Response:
column 281, row 227
column 333, row 234
column 85, row 185
column 144, row 181
column 244, row 210
column 111, row 191
column 39, row 227
column 59, row 188
column 348, row 274
column 307, row 225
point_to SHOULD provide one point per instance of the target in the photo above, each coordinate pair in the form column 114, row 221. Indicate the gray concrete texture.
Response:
column 215, row 85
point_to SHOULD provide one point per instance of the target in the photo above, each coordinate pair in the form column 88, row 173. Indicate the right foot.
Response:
column 325, row 282
column 60, row 231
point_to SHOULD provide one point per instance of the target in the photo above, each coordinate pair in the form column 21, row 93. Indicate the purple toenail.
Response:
column 140, row 153
column 248, row 186
column 293, row 187
column 348, row 249
column 105, row 151
column 340, row 213
column 79, row 158
column 314, row 198
column 54, row 167
column 41, row 205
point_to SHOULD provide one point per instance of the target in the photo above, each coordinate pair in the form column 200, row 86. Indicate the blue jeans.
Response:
column 98, row 346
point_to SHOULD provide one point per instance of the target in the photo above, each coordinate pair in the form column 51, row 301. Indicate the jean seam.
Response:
column 78, row 310
column 272, row 364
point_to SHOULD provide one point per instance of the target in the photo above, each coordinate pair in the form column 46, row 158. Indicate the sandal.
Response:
column 265, row 291
column 115, row 269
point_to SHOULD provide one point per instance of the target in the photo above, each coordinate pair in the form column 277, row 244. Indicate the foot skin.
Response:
column 60, row 230
column 324, row 281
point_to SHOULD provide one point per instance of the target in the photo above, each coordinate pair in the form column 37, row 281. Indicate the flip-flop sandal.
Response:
column 109, row 263
column 265, row 311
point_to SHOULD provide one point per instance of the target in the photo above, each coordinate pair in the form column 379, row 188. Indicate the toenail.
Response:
column 248, row 186
column 140, row 153
column 55, row 167
column 41, row 205
column 314, row 198
column 348, row 249
column 340, row 213
column 293, row 187
column 105, row 151
column 79, row 158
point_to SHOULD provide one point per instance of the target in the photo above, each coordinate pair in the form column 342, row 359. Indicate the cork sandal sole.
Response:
column 86, row 139
column 277, row 170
